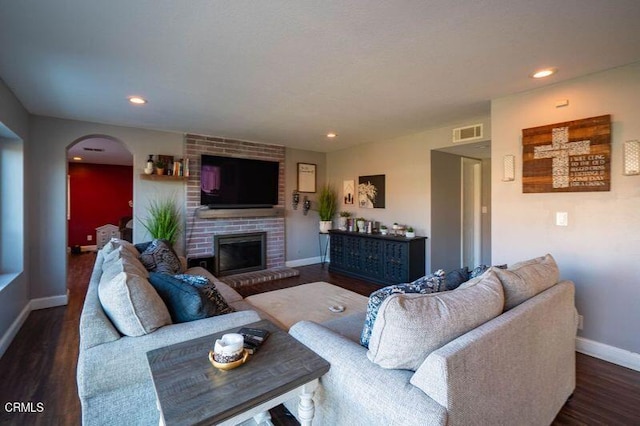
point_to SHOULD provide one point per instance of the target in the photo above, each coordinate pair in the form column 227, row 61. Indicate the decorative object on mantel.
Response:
column 574, row 156
column 371, row 192
column 295, row 199
column 383, row 230
column 348, row 190
column 306, row 205
column 160, row 167
column 410, row 233
column 306, row 177
column 361, row 222
column 149, row 168
column 343, row 219
column 327, row 206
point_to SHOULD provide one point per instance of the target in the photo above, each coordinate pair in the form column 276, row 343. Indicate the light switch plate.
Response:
column 562, row 219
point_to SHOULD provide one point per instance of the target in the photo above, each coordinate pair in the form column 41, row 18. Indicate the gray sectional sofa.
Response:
column 515, row 369
column 498, row 350
column 114, row 384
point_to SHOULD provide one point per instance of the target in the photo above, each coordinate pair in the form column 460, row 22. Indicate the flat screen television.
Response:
column 235, row 183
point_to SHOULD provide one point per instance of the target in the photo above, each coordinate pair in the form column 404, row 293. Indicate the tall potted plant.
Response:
column 327, row 206
column 163, row 221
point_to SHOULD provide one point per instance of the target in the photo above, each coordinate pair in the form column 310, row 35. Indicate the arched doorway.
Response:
column 99, row 193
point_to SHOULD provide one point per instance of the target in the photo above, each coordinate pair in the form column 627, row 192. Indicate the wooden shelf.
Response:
column 204, row 213
column 144, row 176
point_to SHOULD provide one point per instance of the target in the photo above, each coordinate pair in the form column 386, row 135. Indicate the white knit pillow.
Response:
column 411, row 326
column 524, row 280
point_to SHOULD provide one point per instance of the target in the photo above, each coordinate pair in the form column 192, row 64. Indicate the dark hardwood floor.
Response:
column 40, row 364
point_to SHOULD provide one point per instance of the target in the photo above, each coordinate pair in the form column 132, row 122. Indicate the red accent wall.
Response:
column 100, row 194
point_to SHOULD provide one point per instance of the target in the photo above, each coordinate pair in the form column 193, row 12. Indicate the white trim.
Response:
column 49, row 302
column 304, row 262
column 608, row 353
column 14, row 328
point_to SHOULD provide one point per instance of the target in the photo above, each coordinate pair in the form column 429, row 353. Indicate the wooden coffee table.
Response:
column 191, row 391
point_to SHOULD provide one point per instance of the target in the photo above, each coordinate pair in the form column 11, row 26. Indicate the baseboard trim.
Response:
column 14, row 328
column 608, row 353
column 305, row 262
column 49, row 302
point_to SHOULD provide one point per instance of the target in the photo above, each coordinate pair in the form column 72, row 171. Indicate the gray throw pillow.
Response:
column 428, row 284
column 132, row 305
column 524, row 280
column 411, row 326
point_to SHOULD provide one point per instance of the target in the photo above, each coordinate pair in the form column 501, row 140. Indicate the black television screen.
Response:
column 227, row 182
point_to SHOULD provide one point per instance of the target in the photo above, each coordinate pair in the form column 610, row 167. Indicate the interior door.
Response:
column 470, row 220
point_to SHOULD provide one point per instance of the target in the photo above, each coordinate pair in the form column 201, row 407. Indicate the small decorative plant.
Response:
column 160, row 165
column 383, row 227
column 163, row 221
column 409, row 229
column 345, row 214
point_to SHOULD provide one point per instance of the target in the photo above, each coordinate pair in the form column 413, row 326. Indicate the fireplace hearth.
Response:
column 238, row 253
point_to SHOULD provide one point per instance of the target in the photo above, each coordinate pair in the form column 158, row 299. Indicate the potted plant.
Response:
column 160, row 167
column 163, row 221
column 361, row 224
column 327, row 206
column 410, row 233
column 384, row 230
column 342, row 220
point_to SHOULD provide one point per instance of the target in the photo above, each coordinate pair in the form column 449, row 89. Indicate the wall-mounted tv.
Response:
column 233, row 183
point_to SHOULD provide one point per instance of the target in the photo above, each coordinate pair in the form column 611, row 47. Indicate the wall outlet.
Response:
column 580, row 322
column 89, row 237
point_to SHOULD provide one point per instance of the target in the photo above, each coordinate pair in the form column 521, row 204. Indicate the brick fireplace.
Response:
column 200, row 231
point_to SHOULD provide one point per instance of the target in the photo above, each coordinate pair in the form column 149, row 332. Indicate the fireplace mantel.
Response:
column 205, row 213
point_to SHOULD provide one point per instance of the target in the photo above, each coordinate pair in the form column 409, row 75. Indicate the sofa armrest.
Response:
column 355, row 390
column 122, row 363
column 488, row 376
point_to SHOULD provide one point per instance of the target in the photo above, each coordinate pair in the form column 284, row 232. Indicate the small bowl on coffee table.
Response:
column 228, row 365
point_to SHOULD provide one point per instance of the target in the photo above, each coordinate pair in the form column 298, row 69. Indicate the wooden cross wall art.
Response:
column 574, row 156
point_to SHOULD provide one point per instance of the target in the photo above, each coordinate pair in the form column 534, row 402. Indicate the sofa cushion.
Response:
column 160, row 257
column 115, row 243
column 121, row 260
column 427, row 284
column 526, row 279
column 411, row 326
column 184, row 301
column 132, row 304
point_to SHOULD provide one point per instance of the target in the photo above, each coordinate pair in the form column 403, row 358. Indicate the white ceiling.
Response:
column 287, row 72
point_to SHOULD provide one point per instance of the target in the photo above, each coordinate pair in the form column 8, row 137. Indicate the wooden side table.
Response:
column 191, row 391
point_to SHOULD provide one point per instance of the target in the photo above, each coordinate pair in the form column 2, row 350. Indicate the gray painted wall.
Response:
column 302, row 231
column 14, row 290
column 445, row 211
column 600, row 248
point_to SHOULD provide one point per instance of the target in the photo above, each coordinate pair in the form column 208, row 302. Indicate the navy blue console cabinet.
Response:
column 383, row 259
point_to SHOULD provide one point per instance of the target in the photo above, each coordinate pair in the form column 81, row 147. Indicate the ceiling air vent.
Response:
column 466, row 134
column 94, row 149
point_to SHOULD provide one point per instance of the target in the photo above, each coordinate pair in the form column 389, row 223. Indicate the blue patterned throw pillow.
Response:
column 209, row 290
column 456, row 277
column 428, row 284
column 160, row 257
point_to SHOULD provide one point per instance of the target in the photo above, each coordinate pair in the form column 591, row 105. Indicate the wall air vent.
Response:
column 468, row 133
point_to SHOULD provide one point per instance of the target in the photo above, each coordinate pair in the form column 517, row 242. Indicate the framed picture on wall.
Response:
column 306, row 177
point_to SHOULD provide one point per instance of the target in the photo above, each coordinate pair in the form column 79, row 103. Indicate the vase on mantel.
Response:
column 149, row 168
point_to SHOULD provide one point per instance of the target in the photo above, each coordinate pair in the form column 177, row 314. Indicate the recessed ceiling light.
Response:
column 331, row 135
column 544, row 73
column 77, row 158
column 137, row 100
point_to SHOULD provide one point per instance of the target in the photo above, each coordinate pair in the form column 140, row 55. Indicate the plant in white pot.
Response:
column 327, row 206
column 163, row 220
column 410, row 233
column 343, row 219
